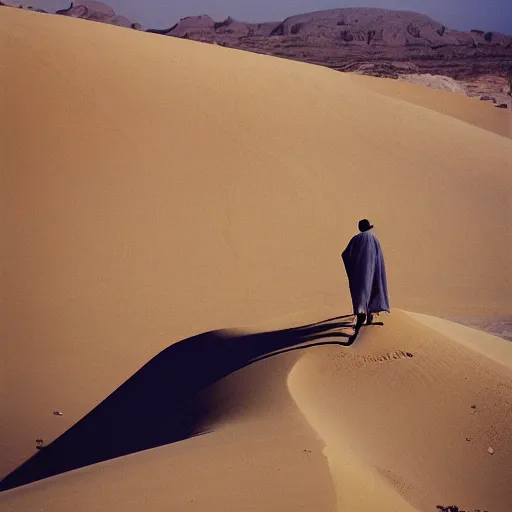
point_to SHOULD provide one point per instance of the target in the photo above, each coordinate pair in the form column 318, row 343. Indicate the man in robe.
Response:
column 364, row 263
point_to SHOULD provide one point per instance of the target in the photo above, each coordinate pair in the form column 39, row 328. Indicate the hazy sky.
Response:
column 495, row 15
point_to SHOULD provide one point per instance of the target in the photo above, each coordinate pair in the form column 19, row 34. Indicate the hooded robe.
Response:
column 364, row 263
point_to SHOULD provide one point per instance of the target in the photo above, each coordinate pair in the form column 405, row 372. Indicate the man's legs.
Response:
column 361, row 317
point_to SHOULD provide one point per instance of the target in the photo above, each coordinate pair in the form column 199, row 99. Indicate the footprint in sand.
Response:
column 360, row 360
column 398, row 354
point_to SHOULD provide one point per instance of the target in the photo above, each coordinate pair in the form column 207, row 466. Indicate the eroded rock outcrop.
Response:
column 371, row 41
column 96, row 11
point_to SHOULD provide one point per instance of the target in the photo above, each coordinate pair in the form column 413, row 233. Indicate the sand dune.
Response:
column 155, row 189
column 170, row 399
column 407, row 406
column 481, row 114
column 248, row 464
column 395, row 438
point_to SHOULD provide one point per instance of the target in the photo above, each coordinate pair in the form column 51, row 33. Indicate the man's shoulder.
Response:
column 364, row 235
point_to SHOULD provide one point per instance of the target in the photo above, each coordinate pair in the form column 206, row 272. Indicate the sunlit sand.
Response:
column 155, row 189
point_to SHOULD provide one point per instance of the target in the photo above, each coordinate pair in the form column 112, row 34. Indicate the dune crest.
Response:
column 408, row 416
column 491, row 346
column 259, row 453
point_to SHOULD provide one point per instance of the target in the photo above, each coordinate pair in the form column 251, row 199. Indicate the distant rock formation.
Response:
column 443, row 83
column 227, row 32
column 379, row 42
column 18, row 5
column 97, row 11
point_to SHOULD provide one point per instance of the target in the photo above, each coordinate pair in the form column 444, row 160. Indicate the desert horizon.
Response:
column 418, row 45
column 465, row 20
column 177, row 324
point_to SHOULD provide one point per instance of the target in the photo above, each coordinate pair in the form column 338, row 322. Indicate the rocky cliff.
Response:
column 374, row 41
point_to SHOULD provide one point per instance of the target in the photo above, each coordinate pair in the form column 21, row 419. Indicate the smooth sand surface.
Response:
column 156, row 188
column 406, row 410
column 493, row 347
column 481, row 113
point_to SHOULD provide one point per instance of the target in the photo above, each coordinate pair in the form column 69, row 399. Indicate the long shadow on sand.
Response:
column 159, row 404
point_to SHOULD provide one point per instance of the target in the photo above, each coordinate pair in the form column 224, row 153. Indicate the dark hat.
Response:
column 364, row 225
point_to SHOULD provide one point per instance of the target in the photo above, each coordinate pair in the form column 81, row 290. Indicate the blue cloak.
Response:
column 364, row 263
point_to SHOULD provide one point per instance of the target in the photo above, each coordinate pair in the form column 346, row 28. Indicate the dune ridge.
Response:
column 394, row 433
column 489, row 345
column 154, row 189
column 454, row 105
column 251, row 413
column 167, row 401
column 244, row 463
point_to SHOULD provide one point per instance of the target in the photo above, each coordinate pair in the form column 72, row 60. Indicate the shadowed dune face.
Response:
column 167, row 400
column 261, row 455
column 391, row 442
column 155, row 188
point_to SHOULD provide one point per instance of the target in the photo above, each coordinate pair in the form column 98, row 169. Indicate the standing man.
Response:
column 364, row 263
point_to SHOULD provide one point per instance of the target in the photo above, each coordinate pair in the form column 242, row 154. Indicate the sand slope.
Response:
column 409, row 407
column 479, row 113
column 153, row 189
column 269, row 459
column 407, row 416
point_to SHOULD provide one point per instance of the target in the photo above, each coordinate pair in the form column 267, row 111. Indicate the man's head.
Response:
column 364, row 225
